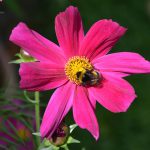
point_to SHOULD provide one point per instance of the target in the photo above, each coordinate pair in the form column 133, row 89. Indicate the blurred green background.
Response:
column 124, row 131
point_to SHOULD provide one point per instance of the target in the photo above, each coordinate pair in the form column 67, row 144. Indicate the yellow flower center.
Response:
column 75, row 65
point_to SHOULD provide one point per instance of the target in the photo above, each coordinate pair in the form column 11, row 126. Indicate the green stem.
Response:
column 37, row 116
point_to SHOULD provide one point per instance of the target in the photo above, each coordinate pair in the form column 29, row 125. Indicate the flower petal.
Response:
column 36, row 45
column 101, row 37
column 92, row 101
column 114, row 93
column 83, row 112
column 69, row 30
column 40, row 76
column 58, row 106
column 123, row 62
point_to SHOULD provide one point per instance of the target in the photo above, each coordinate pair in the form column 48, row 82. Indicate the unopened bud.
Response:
column 60, row 136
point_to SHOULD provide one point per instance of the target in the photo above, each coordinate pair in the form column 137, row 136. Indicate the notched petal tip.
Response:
column 110, row 23
column 101, row 37
column 69, row 30
column 119, row 31
column 71, row 8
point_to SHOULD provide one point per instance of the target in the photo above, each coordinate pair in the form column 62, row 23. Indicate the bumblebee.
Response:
column 88, row 77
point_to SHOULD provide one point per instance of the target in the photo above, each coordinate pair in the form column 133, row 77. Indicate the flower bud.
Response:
column 60, row 135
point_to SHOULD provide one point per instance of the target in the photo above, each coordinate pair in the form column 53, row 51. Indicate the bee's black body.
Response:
column 88, row 78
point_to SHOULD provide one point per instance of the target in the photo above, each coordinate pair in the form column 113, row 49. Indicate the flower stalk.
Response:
column 37, row 116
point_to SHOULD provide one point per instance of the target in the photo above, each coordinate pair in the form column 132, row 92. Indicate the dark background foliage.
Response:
column 124, row 131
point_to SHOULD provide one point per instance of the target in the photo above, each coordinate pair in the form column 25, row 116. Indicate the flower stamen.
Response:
column 76, row 67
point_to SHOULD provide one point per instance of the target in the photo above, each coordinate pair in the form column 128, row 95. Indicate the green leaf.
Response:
column 72, row 140
column 18, row 55
column 37, row 134
column 47, row 148
column 18, row 61
column 46, row 145
column 22, row 59
column 65, row 147
column 55, row 148
column 72, row 127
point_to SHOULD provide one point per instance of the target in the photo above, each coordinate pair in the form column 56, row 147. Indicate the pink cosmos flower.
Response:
column 79, row 68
